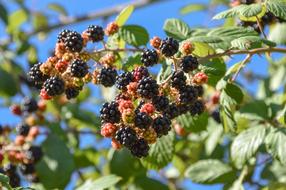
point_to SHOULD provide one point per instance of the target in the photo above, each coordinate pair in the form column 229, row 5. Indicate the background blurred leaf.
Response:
column 193, row 7
column 124, row 15
column 100, row 183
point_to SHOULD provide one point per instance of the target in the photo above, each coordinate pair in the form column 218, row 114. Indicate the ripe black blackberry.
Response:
column 197, row 108
column 72, row 92
column 79, row 68
column 95, row 33
column 123, row 80
column 54, row 86
column 10, row 169
column 247, row 2
column 126, row 136
column 188, row 95
column 172, row 111
column 142, row 120
column 27, row 168
column 161, row 103
column 107, row 76
column 184, row 108
column 188, row 63
column 140, row 148
column 169, row 47
column 109, row 112
column 268, row 18
column 149, row 57
column 216, row 116
column 34, row 154
column 140, row 72
column 23, row 129
column 178, row 80
column 29, row 105
column 148, row 87
column 200, row 90
column 73, row 41
column 62, row 35
column 36, row 77
column 14, row 180
column 162, row 125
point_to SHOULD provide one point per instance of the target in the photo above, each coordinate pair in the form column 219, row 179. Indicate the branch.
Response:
column 242, row 64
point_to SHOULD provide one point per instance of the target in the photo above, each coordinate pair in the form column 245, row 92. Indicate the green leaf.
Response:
column 143, row 183
column 246, row 144
column 131, row 62
column 124, row 15
column 16, row 19
column 134, row 35
column 176, row 28
column 39, row 20
column 193, row 123
column 193, row 7
column 8, row 84
column 250, row 42
column 86, row 157
column 275, row 143
column 230, row 13
column 215, row 133
column 276, row 33
column 201, row 49
column 277, row 7
column 160, row 153
column 58, row 8
column 100, row 183
column 57, row 164
column 209, row 172
column 3, row 14
column 256, row 110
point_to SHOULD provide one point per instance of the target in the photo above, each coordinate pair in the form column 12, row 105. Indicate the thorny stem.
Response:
column 260, row 27
column 243, row 63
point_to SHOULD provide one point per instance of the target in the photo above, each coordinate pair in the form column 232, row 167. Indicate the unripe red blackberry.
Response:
column 162, row 125
column 149, row 57
column 215, row 98
column 140, row 148
column 140, row 72
column 161, row 103
column 125, row 104
column 178, row 80
column 36, row 76
column 188, row 63
column 108, row 60
column 148, row 87
column 169, row 47
column 19, row 140
column 126, row 136
column 34, row 154
column 155, row 42
column 143, row 120
column 172, row 111
column 95, row 33
column 132, row 89
column 29, row 105
column 111, row 29
column 72, row 92
column 54, row 86
column 200, row 90
column 22, row 129
column 148, row 108
column 62, row 35
column 108, row 130
column 27, row 169
column 179, row 130
column 79, row 68
column 187, row 48
column 62, row 66
column 115, row 144
column 107, row 76
column 16, row 109
column 73, row 41
column 44, row 95
column 188, row 95
column 197, row 108
column 123, row 80
column 34, row 132
column 109, row 113
column 200, row 78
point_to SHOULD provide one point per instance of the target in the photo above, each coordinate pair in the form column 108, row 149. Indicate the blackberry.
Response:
column 54, row 86
column 188, row 95
column 10, row 169
column 72, row 92
column 142, row 120
column 268, row 18
column 1, row 130
column 169, row 47
column 79, row 68
column 23, row 129
column 73, row 41
column 189, row 63
column 109, row 112
column 162, row 125
column 197, row 108
column 35, row 76
column 200, row 90
column 62, row 35
column 140, row 72
column 34, row 154
column 123, row 80
column 216, row 116
column 27, row 168
column 149, row 57
column 14, row 180
column 95, row 33
column 178, row 80
column 126, row 136
column 148, row 87
column 172, row 111
column 140, row 148
column 107, row 76
column 184, row 108
column 247, row 2
column 29, row 105
column 161, row 103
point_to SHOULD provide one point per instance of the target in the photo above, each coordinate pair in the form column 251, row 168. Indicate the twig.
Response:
column 242, row 64
column 260, row 27
column 117, row 50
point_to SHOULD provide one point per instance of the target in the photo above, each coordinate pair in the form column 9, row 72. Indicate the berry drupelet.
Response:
column 126, row 136
column 162, row 125
column 110, row 113
column 36, row 76
column 72, row 92
column 62, row 35
column 140, row 72
column 149, row 57
column 188, row 95
column 95, row 33
column 29, row 105
column 178, row 80
column 54, row 86
column 107, row 76
column 123, row 80
column 197, row 108
column 23, row 129
column 140, row 148
column 188, row 63
column 79, row 68
column 169, row 47
column 73, row 41
column 148, row 87
column 161, row 103
column 142, row 120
